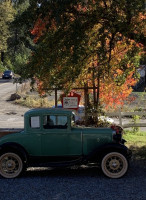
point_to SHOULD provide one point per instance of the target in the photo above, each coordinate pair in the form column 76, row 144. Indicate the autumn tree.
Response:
column 76, row 38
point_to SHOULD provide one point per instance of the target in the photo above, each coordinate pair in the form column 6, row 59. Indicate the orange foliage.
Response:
column 112, row 95
column 40, row 87
column 39, row 29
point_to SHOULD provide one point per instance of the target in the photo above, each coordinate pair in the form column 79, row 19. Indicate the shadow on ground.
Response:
column 138, row 152
column 137, row 168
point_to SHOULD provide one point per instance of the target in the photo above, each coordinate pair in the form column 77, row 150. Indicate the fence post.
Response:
column 55, row 97
column 86, row 100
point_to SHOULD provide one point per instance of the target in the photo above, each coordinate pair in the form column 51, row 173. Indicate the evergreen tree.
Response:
column 19, row 44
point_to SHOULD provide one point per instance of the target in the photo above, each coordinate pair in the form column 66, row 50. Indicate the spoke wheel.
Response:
column 11, row 165
column 114, row 165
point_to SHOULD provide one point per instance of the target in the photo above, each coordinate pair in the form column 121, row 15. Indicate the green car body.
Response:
column 60, row 143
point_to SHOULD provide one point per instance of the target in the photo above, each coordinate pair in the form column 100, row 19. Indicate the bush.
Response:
column 135, row 119
column 35, row 102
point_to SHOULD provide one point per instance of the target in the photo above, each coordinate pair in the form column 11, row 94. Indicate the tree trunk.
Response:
column 98, row 92
column 94, row 90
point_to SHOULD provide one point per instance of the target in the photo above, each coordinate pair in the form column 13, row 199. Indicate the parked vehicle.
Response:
column 51, row 137
column 8, row 74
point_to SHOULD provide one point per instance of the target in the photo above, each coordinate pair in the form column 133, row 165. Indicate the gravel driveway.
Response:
column 75, row 184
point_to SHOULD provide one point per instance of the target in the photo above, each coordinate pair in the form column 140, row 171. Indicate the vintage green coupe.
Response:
column 50, row 137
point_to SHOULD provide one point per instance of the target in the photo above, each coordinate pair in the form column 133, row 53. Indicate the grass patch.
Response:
column 137, row 143
column 35, row 102
column 31, row 99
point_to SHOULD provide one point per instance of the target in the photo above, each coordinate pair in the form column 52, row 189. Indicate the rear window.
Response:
column 35, row 122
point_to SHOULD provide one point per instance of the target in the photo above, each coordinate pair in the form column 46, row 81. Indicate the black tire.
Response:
column 11, row 165
column 114, row 165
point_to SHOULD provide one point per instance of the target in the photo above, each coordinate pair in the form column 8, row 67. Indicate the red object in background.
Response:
column 71, row 101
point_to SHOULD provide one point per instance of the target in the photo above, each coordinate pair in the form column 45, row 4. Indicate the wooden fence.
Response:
column 120, row 116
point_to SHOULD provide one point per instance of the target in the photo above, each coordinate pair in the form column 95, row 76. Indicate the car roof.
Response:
column 39, row 111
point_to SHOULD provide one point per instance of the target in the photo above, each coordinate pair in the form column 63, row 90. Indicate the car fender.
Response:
column 99, row 152
column 16, row 148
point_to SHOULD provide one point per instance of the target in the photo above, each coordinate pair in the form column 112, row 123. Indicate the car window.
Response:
column 7, row 72
column 35, row 122
column 55, row 122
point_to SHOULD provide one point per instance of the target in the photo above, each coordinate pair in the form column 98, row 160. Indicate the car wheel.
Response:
column 114, row 165
column 11, row 165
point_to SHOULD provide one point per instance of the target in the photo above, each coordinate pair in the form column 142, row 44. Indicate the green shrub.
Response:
column 135, row 120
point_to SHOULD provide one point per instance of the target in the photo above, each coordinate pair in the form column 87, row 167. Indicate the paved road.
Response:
column 11, row 116
column 6, row 86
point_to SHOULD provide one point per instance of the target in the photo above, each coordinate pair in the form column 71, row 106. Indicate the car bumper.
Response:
column 6, row 77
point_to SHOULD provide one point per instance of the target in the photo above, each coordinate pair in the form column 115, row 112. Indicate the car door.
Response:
column 57, row 137
column 31, row 140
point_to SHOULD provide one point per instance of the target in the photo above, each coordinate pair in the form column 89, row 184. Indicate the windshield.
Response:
column 7, row 72
column 73, row 119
